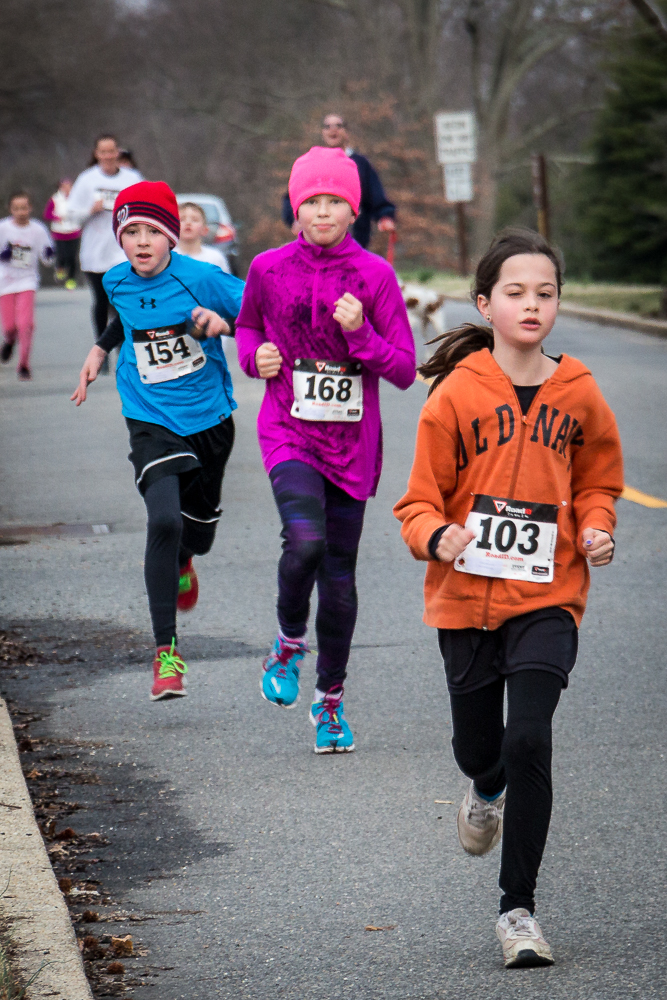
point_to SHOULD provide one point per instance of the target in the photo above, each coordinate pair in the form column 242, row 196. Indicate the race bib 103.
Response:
column 327, row 390
column 514, row 540
column 166, row 353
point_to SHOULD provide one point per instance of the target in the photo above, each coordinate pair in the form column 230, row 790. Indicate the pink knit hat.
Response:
column 324, row 171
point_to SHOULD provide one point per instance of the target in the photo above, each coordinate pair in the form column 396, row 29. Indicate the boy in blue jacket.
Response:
column 176, row 392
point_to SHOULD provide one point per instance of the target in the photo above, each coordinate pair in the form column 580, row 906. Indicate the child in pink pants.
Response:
column 23, row 243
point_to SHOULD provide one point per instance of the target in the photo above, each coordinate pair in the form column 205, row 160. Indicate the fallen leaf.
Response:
column 59, row 850
column 116, row 968
column 92, row 947
column 67, row 834
column 34, row 773
column 122, row 945
column 25, row 745
column 372, row 927
column 65, row 884
column 90, row 916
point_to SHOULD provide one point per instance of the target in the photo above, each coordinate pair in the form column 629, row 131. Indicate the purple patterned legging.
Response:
column 322, row 527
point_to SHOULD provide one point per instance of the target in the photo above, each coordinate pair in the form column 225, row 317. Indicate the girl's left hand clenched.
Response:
column 598, row 546
column 349, row 312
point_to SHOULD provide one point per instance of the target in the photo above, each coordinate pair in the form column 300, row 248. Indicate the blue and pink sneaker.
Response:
column 280, row 680
column 333, row 732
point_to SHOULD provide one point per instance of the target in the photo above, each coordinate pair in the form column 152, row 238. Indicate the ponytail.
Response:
column 455, row 345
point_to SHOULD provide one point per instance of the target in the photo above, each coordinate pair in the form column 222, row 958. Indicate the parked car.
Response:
column 221, row 230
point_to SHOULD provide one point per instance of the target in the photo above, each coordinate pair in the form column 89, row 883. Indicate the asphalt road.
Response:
column 255, row 865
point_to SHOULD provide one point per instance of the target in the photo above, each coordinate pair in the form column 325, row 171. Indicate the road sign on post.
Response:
column 458, row 182
column 456, row 150
column 456, row 137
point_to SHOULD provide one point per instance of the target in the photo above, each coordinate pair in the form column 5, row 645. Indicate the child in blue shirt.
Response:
column 176, row 394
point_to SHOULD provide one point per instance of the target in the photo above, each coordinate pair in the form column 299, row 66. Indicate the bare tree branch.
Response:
column 555, row 121
column 652, row 17
column 339, row 4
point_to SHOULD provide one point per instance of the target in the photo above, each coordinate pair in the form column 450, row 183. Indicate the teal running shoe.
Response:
column 280, row 680
column 333, row 732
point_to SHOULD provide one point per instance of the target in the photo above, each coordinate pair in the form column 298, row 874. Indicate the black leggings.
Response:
column 516, row 755
column 67, row 252
column 170, row 541
column 100, row 303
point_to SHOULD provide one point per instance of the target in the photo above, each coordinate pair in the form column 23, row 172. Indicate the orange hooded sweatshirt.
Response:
column 473, row 439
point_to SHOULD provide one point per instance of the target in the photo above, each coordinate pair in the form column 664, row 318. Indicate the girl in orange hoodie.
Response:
column 510, row 499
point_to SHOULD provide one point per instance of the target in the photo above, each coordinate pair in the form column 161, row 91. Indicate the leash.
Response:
column 390, row 247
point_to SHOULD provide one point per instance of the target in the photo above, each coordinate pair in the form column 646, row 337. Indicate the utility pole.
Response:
column 461, row 237
column 541, row 193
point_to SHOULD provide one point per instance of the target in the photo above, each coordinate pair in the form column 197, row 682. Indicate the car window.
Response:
column 214, row 208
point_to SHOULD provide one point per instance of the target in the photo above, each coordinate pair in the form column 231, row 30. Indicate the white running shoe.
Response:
column 480, row 823
column 522, row 941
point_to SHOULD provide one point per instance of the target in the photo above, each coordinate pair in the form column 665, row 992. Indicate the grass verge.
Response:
column 11, row 985
column 639, row 300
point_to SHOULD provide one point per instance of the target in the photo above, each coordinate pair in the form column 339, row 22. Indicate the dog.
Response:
column 425, row 310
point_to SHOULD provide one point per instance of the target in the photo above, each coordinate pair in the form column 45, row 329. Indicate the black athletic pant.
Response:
column 515, row 755
column 67, row 252
column 171, row 540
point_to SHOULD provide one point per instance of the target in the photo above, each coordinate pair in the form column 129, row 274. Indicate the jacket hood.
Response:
column 484, row 364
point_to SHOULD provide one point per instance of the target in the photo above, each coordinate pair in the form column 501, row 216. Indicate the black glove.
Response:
column 48, row 253
column 6, row 254
column 198, row 332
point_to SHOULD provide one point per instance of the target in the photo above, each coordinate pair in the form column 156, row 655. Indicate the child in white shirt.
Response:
column 23, row 243
column 193, row 228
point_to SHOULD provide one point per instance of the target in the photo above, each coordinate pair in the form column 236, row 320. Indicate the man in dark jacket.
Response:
column 374, row 203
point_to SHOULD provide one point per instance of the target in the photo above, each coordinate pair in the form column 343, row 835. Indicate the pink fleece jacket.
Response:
column 289, row 300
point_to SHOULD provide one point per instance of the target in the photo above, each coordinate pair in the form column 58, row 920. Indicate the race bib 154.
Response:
column 327, row 390
column 166, row 352
column 514, row 539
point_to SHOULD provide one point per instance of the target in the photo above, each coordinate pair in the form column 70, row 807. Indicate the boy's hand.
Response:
column 452, row 542
column 98, row 206
column 89, row 372
column 598, row 546
column 349, row 312
column 268, row 360
column 208, row 323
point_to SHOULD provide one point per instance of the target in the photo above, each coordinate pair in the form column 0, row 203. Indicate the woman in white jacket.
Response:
column 91, row 202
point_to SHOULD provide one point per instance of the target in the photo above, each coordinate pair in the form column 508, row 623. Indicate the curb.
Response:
column 605, row 317
column 33, row 905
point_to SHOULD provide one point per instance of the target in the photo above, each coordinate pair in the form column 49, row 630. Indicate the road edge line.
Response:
column 32, row 904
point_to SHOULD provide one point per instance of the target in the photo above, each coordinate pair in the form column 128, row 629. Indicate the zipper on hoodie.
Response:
column 313, row 306
column 513, row 482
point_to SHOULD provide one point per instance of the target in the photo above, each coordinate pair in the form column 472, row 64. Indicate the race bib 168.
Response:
column 327, row 390
column 514, row 539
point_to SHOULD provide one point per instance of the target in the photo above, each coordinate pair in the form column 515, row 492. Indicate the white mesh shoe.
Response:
column 480, row 823
column 522, row 941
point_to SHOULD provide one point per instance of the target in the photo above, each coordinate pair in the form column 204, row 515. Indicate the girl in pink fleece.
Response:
column 322, row 321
